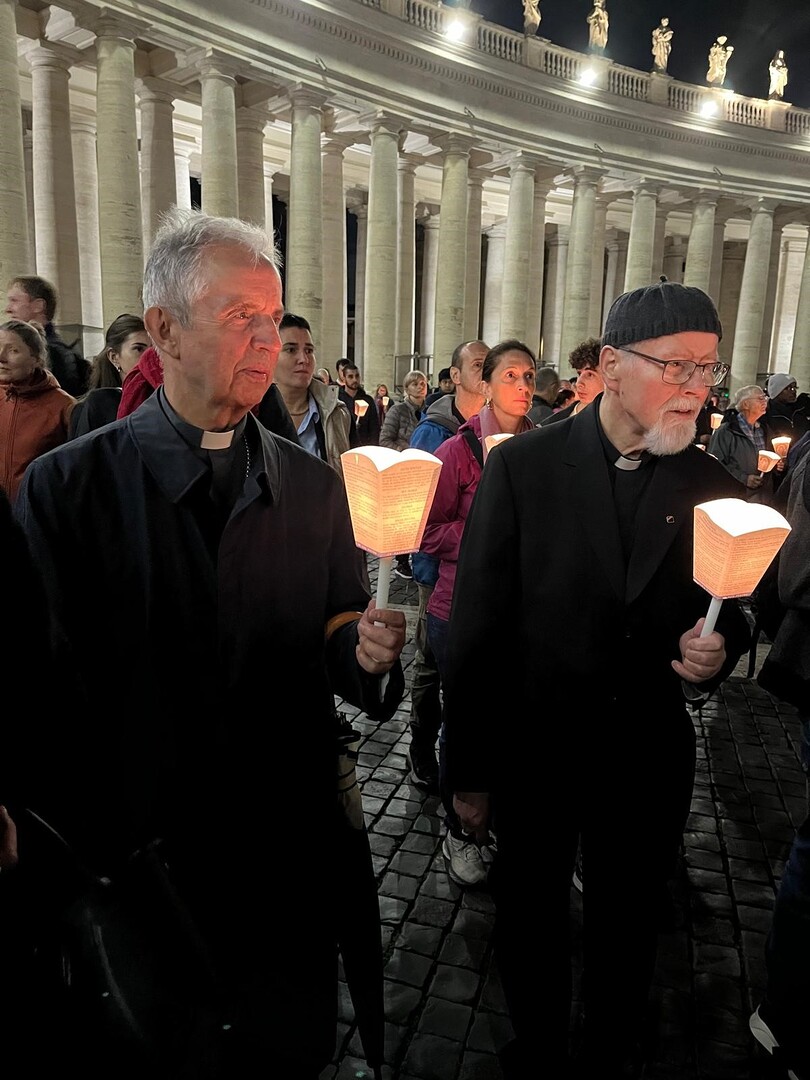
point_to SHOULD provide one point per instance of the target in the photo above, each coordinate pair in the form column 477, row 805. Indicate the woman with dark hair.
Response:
column 507, row 381
column 124, row 343
column 34, row 409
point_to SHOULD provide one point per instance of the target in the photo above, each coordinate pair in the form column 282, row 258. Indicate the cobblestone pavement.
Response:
column 445, row 1012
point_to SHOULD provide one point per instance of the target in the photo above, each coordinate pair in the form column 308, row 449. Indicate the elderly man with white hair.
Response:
column 218, row 561
column 739, row 439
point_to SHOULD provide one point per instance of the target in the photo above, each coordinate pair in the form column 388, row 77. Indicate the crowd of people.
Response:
column 184, row 494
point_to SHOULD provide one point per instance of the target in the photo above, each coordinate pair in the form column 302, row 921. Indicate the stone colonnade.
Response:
column 82, row 199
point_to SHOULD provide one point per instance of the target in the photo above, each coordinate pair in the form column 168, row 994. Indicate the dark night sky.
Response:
column 756, row 29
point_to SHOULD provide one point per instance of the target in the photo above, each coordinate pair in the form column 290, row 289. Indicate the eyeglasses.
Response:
column 678, row 372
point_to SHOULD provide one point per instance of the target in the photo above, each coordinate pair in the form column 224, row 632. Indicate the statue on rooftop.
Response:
column 598, row 24
column 531, row 16
column 778, row 71
column 662, row 46
column 719, row 56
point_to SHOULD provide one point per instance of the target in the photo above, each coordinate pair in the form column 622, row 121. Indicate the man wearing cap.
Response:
column 606, row 498
column 788, row 412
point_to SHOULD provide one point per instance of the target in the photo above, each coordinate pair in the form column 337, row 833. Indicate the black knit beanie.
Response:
column 659, row 310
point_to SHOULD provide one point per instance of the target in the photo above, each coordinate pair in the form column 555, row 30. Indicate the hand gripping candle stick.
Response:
column 735, row 543
column 390, row 495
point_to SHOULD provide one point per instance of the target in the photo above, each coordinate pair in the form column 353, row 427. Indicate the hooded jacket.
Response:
column 34, row 418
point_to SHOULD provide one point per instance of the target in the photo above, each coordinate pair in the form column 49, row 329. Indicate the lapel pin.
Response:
column 670, row 519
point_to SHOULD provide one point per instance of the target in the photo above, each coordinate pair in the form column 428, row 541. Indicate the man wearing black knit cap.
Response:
column 606, row 498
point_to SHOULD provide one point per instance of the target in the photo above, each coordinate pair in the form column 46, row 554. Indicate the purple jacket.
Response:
column 458, row 481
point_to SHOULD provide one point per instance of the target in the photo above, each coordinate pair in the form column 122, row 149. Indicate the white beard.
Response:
column 667, row 437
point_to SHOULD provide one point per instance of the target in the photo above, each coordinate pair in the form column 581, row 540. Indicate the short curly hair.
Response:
column 586, row 354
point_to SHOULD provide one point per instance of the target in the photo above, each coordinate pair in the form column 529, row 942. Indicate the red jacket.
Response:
column 33, row 419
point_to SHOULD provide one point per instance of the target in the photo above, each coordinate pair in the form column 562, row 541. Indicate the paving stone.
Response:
column 392, row 909
column 408, row 862
column 401, row 1001
column 408, row 967
column 399, row 885
column 426, row 940
column 375, row 789
column 420, row 842
column 480, row 1067
column 440, row 886
column 455, row 984
column 432, row 1058
column 392, row 826
column 463, row 951
column 403, row 808
column 433, row 912
column 445, row 1018
column 490, row 1032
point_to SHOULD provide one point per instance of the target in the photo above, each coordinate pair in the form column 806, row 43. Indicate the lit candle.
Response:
column 386, row 400
column 716, row 419
column 360, row 408
column 766, row 460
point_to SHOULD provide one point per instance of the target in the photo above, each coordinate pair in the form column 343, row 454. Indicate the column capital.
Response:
column 378, row 121
column 83, row 126
column 336, row 145
column 214, row 65
column 110, row 25
column 497, row 231
column 159, row 91
column 357, row 203
column 762, row 203
column 250, row 119
column 408, row 163
column 51, row 54
column 585, row 175
column 476, row 177
column 307, row 97
column 454, row 142
column 643, row 186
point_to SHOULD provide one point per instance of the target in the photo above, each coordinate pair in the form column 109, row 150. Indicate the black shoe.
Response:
column 765, row 1030
column 424, row 768
column 404, row 572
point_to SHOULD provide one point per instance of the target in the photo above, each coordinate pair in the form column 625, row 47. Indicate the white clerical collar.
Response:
column 216, row 440
column 627, row 464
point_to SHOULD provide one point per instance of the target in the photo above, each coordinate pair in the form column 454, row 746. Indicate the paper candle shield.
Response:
column 735, row 543
column 491, row 441
column 781, row 444
column 360, row 408
column 716, row 419
column 390, row 495
column 767, row 460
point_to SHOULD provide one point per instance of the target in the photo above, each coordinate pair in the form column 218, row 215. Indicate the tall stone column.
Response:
column 543, row 183
column 304, row 273
column 577, row 302
column 158, row 175
column 616, row 265
column 28, row 157
column 674, row 259
column 747, row 341
column 661, row 215
column 14, row 248
column 716, row 274
column 472, row 281
column 701, row 242
column 360, row 211
column 381, row 250
column 729, row 304
column 800, row 353
column 54, row 191
column 598, row 268
column 220, row 180
column 333, row 222
column 406, row 253
column 85, row 164
column 269, row 172
column 518, row 249
column 639, row 270
column 183, row 177
column 769, row 308
column 451, row 280
column 119, row 197
column 250, row 125
column 555, row 293
column 430, row 267
column 493, row 284
column 794, row 252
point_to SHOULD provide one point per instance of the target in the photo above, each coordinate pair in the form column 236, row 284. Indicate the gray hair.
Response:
column 175, row 274
column 745, row 393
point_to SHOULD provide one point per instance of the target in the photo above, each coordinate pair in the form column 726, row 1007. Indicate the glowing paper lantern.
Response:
column 491, row 441
column 781, row 445
column 386, row 400
column 735, row 543
column 767, row 460
column 716, row 419
column 360, row 408
column 390, row 495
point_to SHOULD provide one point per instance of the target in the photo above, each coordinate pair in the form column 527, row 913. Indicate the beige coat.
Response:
column 335, row 420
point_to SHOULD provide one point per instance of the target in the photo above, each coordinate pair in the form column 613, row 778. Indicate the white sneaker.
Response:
column 464, row 863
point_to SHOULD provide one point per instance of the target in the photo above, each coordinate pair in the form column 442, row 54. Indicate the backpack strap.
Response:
column 475, row 445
